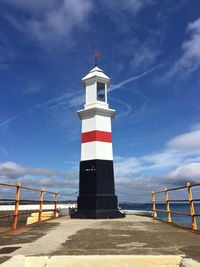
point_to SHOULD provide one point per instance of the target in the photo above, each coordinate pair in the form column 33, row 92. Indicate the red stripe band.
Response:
column 97, row 136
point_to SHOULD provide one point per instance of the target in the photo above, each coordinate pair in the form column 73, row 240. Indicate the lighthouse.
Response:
column 97, row 197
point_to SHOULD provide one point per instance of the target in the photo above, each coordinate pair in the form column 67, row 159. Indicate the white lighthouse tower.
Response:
column 97, row 197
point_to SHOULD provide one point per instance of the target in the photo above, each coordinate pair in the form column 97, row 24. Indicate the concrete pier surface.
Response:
column 133, row 235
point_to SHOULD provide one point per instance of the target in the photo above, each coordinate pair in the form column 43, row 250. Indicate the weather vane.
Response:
column 97, row 54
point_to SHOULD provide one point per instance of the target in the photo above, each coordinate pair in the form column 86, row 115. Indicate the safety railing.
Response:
column 16, row 214
column 168, row 203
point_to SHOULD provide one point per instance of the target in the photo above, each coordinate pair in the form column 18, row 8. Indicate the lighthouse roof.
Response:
column 96, row 72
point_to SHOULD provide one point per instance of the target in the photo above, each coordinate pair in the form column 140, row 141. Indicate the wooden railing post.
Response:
column 169, row 219
column 55, row 204
column 41, row 204
column 16, row 211
column 192, row 210
column 154, row 205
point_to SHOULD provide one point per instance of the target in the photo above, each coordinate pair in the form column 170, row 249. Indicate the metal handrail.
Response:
column 191, row 201
column 178, row 188
column 26, row 187
column 16, row 213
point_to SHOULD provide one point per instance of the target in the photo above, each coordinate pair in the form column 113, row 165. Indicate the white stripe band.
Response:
column 96, row 123
column 96, row 150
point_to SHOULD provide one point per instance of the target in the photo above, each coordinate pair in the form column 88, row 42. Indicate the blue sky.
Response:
column 151, row 51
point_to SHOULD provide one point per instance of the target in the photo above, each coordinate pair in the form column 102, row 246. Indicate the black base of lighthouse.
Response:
column 97, row 199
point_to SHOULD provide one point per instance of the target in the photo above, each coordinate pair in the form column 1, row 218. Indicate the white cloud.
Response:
column 152, row 163
column 133, row 6
column 14, row 170
column 133, row 168
column 55, row 23
column 144, row 56
column 58, row 184
column 189, row 172
column 53, row 180
column 172, row 166
column 190, row 140
column 31, row 6
column 59, row 24
column 137, row 187
column 62, row 103
column 127, row 166
column 190, row 58
column 7, row 54
column 58, row 101
column 11, row 169
column 195, row 126
column 32, row 87
column 133, row 78
column 162, row 159
column 125, row 109
column 6, row 122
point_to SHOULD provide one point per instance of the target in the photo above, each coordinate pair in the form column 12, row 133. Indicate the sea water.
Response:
column 176, row 218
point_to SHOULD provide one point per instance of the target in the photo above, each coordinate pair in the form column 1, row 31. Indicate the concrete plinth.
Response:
column 46, row 215
column 97, row 214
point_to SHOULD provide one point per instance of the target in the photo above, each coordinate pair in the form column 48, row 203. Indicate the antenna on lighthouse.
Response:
column 97, row 54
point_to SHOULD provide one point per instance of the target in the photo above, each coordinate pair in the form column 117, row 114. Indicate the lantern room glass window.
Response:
column 101, row 88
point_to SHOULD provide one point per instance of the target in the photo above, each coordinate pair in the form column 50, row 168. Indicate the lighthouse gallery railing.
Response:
column 190, row 200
